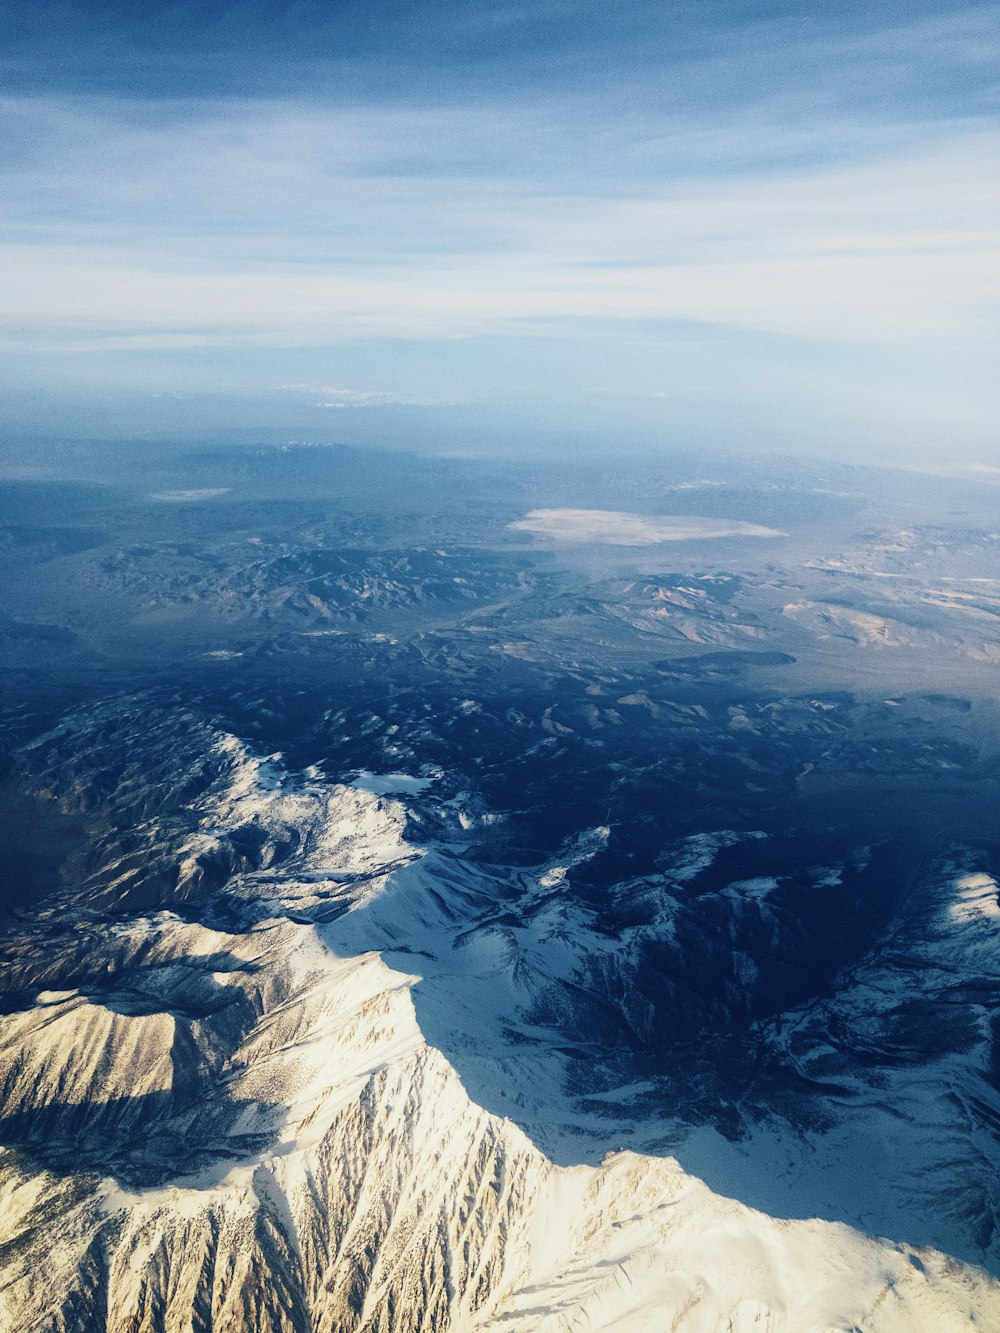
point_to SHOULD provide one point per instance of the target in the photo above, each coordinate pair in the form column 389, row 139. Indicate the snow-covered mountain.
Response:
column 413, row 921
column 217, row 1118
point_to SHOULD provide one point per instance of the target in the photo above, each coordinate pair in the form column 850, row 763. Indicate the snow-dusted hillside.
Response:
column 220, row 1119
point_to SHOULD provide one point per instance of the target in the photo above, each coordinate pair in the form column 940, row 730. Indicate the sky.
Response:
column 476, row 225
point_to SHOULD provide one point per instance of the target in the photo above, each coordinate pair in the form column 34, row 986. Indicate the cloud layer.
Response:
column 804, row 180
column 280, row 224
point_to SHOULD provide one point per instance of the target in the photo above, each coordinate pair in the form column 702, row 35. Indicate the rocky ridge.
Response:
column 214, row 1122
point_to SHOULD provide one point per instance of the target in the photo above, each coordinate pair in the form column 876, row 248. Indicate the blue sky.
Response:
column 492, row 224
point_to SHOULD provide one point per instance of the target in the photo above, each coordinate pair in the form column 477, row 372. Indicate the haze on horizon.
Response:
column 501, row 225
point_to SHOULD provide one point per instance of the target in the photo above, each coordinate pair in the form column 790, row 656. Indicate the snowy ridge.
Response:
column 294, row 1156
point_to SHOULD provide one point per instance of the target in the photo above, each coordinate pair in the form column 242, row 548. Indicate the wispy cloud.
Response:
column 324, row 395
column 801, row 178
column 903, row 246
column 741, row 190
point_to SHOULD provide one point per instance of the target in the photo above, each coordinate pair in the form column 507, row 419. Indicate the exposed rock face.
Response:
column 216, row 1123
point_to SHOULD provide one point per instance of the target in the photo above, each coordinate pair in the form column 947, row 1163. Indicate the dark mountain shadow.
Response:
column 146, row 1141
column 153, row 1137
column 727, row 1023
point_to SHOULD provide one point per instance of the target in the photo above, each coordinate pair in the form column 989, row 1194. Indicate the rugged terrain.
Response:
column 413, row 921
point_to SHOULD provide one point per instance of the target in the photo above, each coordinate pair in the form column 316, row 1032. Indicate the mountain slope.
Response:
column 215, row 1123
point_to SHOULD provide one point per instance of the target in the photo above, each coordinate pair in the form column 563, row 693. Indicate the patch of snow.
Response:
column 391, row 784
column 977, row 899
